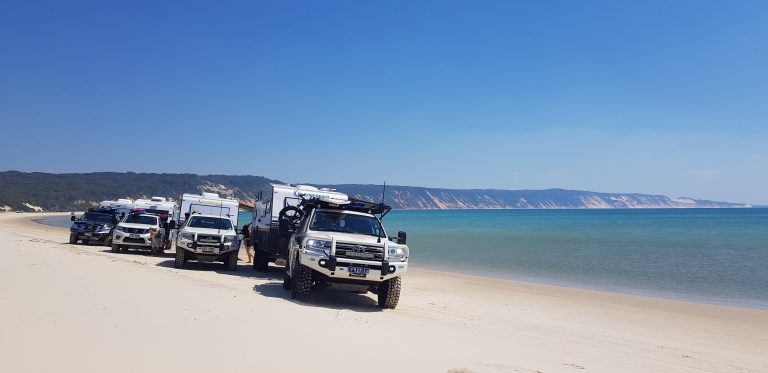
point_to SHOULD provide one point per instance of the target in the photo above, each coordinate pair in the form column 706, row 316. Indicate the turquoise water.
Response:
column 715, row 256
column 709, row 255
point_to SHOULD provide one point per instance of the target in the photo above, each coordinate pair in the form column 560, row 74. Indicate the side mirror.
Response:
column 72, row 218
column 401, row 237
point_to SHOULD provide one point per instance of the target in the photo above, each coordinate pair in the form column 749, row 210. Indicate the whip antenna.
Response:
column 382, row 192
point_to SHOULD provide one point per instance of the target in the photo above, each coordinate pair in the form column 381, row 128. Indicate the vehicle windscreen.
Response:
column 335, row 221
column 141, row 219
column 94, row 216
column 209, row 222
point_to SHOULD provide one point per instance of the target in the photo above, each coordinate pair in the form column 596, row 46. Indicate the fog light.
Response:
column 189, row 245
column 391, row 269
column 323, row 263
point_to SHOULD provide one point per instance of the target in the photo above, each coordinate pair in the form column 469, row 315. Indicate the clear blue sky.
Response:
column 667, row 97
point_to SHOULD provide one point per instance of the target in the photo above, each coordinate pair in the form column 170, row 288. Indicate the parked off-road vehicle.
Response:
column 209, row 230
column 133, row 232
column 335, row 242
column 93, row 225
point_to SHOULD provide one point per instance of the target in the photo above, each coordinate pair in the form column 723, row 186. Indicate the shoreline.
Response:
column 118, row 302
column 660, row 295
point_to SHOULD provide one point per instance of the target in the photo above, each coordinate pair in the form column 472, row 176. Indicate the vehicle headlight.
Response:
column 397, row 253
column 104, row 228
column 319, row 246
column 187, row 236
column 229, row 239
column 120, row 229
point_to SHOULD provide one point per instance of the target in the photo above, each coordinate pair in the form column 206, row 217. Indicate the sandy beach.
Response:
column 71, row 308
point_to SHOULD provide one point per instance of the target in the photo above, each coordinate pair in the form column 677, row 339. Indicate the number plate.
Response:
column 88, row 234
column 358, row 271
column 207, row 249
column 134, row 236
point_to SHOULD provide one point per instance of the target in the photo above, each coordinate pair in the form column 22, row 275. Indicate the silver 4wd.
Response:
column 342, row 244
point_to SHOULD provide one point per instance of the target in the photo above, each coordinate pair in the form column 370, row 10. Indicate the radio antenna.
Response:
column 382, row 192
column 378, row 238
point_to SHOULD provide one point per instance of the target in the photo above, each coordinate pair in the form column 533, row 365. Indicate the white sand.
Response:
column 68, row 308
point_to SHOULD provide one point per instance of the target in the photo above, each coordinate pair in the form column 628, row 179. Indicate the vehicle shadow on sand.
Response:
column 243, row 269
column 331, row 299
column 139, row 253
column 324, row 298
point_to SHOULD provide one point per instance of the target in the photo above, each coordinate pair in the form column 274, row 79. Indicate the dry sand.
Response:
column 70, row 308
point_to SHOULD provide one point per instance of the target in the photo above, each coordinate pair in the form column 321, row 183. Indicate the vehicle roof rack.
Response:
column 358, row 205
column 103, row 210
column 157, row 212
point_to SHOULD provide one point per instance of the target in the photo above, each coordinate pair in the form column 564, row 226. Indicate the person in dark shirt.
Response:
column 247, row 241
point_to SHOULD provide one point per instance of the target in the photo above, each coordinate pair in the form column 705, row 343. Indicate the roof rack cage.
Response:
column 358, row 205
column 103, row 210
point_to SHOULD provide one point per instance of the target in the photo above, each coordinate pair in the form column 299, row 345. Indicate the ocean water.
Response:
column 717, row 256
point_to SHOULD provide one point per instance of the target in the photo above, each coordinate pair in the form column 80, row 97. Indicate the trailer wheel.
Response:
column 287, row 281
column 231, row 261
column 115, row 248
column 389, row 293
column 181, row 260
column 260, row 260
column 302, row 283
column 72, row 239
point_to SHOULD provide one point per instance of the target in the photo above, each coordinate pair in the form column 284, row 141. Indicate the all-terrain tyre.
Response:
column 302, row 283
column 287, row 281
column 72, row 239
column 260, row 260
column 389, row 293
column 181, row 260
column 231, row 261
column 115, row 248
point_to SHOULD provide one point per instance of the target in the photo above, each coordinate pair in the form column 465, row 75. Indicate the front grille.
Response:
column 370, row 266
column 362, row 252
column 208, row 239
column 134, row 240
column 135, row 230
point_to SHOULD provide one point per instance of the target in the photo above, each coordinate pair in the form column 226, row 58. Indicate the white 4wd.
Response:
column 345, row 248
column 207, row 238
column 133, row 232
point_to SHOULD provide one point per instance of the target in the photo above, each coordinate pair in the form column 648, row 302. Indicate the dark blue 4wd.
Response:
column 93, row 225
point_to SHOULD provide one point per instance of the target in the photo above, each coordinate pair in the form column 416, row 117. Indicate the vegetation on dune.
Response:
column 68, row 192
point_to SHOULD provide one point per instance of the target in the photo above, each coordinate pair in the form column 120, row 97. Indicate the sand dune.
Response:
column 68, row 308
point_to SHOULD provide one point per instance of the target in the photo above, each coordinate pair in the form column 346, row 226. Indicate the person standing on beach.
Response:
column 156, row 241
column 247, row 241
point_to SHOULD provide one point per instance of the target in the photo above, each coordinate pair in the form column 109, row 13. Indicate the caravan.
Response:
column 165, row 208
column 269, row 245
column 121, row 206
